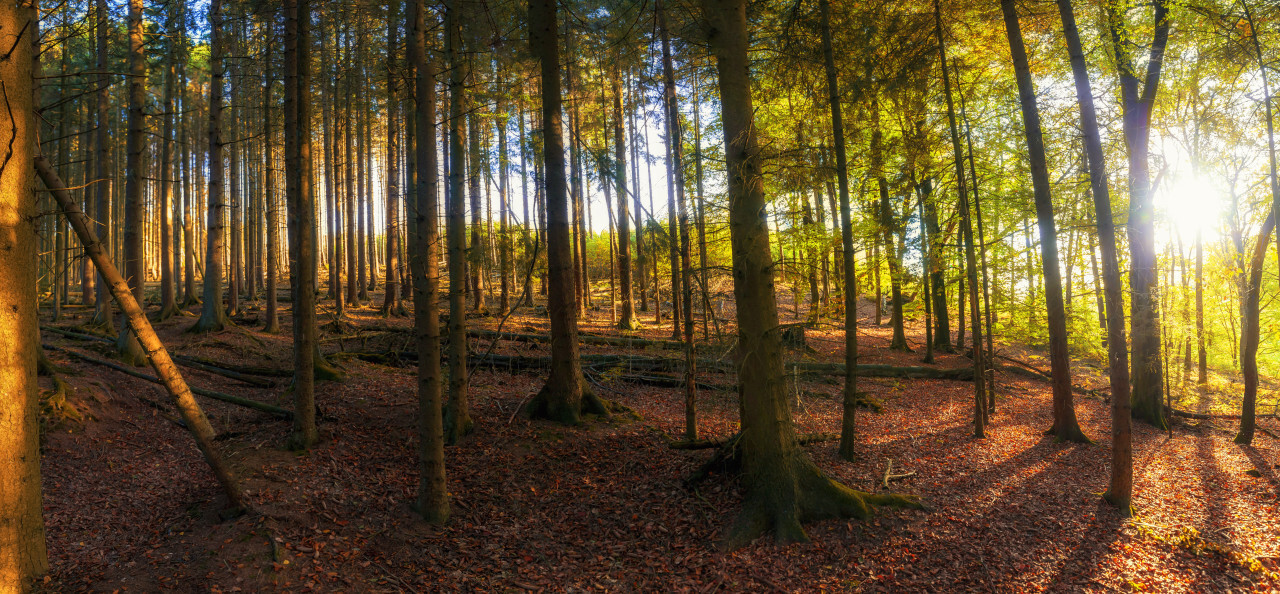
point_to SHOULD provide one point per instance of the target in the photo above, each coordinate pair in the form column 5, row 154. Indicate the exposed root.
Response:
column 813, row 497
column 553, row 407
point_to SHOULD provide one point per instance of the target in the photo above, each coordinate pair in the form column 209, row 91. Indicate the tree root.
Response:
column 813, row 497
column 55, row 410
column 548, row 406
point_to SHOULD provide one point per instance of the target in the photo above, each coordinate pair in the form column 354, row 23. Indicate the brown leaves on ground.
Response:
column 540, row 507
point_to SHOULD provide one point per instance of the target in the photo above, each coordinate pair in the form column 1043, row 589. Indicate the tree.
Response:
column 1120, row 491
column 457, row 418
column 1065, row 426
column 302, row 241
column 1136, row 103
column 168, row 292
column 848, row 427
column 627, row 316
column 783, row 486
column 213, row 317
column 134, row 265
column 391, row 303
column 565, row 396
column 433, row 494
column 22, row 548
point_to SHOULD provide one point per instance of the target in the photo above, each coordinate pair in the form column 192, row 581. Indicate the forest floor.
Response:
column 130, row 506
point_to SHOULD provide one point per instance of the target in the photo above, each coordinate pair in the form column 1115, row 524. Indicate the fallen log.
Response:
column 616, row 341
column 203, row 365
column 245, row 402
column 1186, row 414
column 708, row 444
column 244, row 369
column 197, row 423
column 639, row 362
column 889, row 476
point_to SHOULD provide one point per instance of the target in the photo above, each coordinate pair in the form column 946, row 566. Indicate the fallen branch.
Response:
column 203, row 365
column 245, row 402
column 707, row 444
column 1204, row 417
column 889, row 476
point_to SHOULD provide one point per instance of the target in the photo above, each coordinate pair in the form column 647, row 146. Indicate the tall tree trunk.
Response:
column 1120, row 491
column 848, row 426
column 213, row 317
column 783, row 486
column 168, row 295
column 477, row 260
column 638, row 210
column 675, row 166
column 1202, row 377
column 457, row 417
column 1147, row 401
column 135, row 268
column 966, row 225
column 565, row 396
column 1065, row 425
column 102, row 180
column 391, row 300
column 1249, row 332
column 302, row 224
column 22, row 548
column 504, row 240
column 433, row 494
column 272, row 323
column 627, row 315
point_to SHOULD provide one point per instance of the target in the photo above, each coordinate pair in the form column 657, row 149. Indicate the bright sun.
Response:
column 1189, row 204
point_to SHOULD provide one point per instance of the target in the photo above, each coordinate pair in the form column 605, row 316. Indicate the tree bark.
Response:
column 848, row 426
column 457, row 418
column 302, row 206
column 1065, row 425
column 626, row 315
column 565, row 396
column 783, row 485
column 433, row 494
column 391, row 300
column 22, row 542
column 1120, row 491
column 966, row 224
column 1147, row 396
column 213, row 317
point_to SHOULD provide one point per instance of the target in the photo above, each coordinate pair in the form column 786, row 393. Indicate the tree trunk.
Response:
column 1202, row 377
column 134, row 252
column 477, row 261
column 675, row 168
column 272, row 323
column 848, row 426
column 1065, row 425
column 565, row 396
column 627, row 315
column 783, row 486
column 1120, row 491
column 966, row 224
column 302, row 206
column 457, row 417
column 168, row 295
column 213, row 317
column 391, row 300
column 22, row 544
column 433, row 494
column 1147, row 398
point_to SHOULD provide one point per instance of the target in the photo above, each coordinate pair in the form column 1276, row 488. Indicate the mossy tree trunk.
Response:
column 783, row 486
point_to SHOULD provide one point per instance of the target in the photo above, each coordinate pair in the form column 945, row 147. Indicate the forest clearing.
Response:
column 660, row 296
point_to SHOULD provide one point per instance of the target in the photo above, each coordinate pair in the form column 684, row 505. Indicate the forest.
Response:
column 639, row 295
